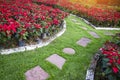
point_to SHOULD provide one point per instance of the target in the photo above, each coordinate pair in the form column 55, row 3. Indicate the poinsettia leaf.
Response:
column 3, row 33
column 118, row 67
column 118, row 52
column 118, row 74
column 41, row 30
column 118, row 42
column 111, row 77
column 104, row 62
column 105, row 59
column 108, row 71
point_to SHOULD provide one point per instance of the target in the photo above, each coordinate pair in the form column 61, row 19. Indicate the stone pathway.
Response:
column 69, row 51
column 83, row 42
column 94, row 34
column 56, row 60
column 74, row 20
column 108, row 33
column 36, row 73
column 84, row 28
column 78, row 23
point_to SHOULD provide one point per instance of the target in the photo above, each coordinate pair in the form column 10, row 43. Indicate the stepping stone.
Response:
column 78, row 23
column 69, row 51
column 94, row 34
column 83, row 42
column 108, row 33
column 74, row 20
column 84, row 28
column 36, row 73
column 56, row 60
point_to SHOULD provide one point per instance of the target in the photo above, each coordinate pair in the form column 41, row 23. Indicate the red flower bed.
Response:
column 98, row 16
column 51, row 2
column 109, row 64
column 111, row 52
column 23, row 19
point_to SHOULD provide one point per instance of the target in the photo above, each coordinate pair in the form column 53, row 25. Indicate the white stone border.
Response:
column 91, row 70
column 90, row 74
column 97, row 28
column 32, row 47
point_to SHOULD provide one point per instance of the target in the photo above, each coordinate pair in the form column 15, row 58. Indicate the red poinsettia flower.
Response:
column 118, row 61
column 22, row 32
column 42, row 17
column 115, row 69
column 37, row 26
column 0, row 27
column 55, row 22
column 46, row 26
column 111, row 61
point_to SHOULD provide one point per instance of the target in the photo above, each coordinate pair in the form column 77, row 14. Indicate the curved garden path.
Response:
column 66, row 58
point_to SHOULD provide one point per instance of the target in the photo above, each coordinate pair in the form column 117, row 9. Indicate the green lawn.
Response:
column 13, row 66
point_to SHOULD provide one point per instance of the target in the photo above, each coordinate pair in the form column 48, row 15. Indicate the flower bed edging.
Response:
column 91, row 70
column 32, row 47
column 97, row 28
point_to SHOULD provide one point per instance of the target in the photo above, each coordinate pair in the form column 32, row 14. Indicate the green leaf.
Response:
column 9, row 37
column 3, row 33
column 118, row 67
column 108, row 71
column 41, row 30
column 105, row 59
column 118, row 52
column 111, row 77
column 104, row 62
